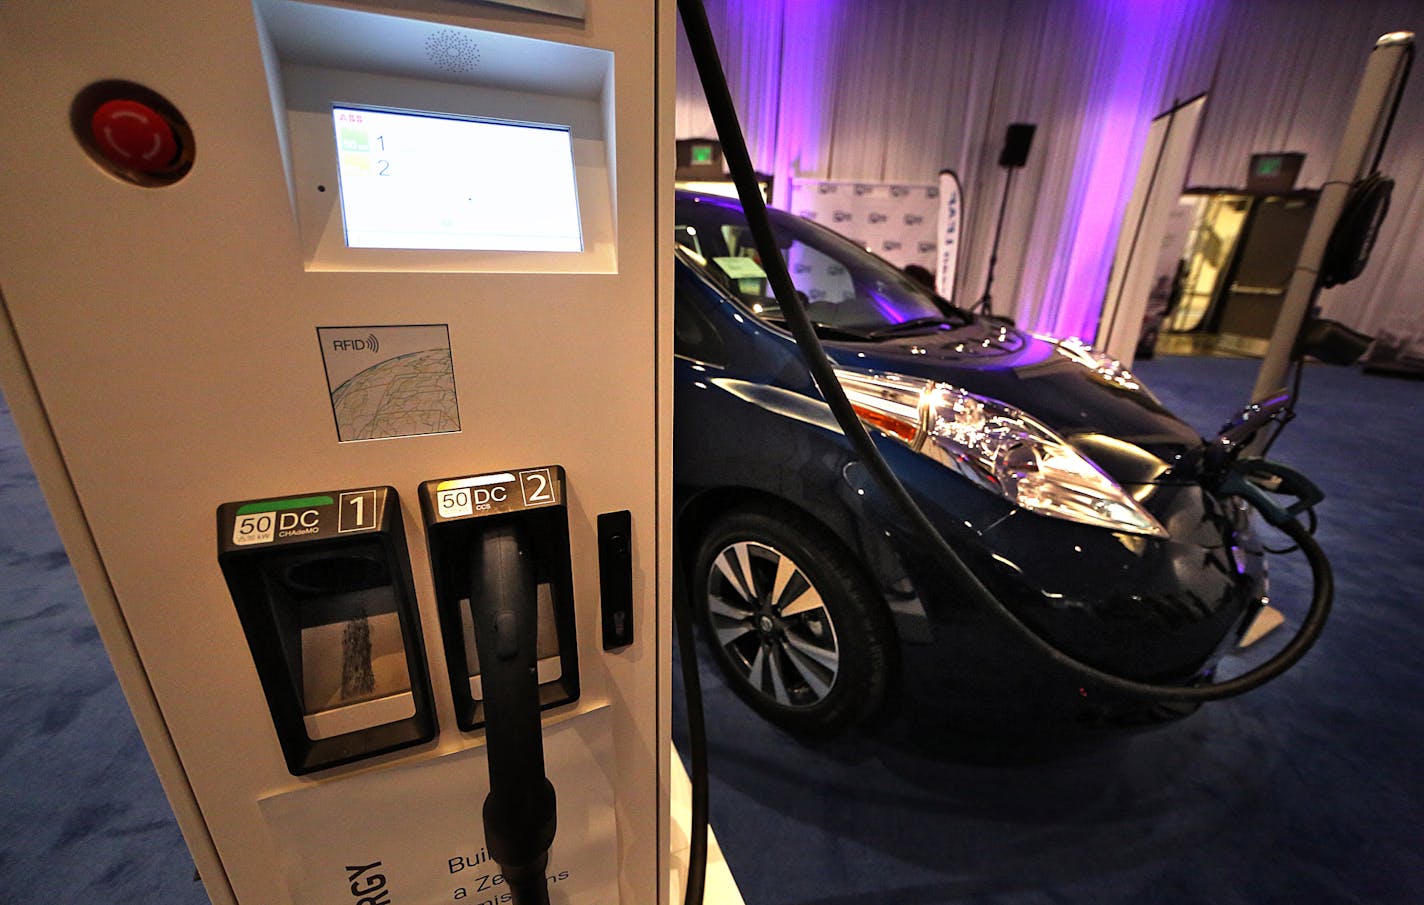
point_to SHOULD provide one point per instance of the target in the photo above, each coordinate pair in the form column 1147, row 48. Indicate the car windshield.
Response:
column 843, row 286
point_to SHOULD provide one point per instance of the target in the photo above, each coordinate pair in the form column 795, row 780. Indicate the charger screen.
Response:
column 420, row 180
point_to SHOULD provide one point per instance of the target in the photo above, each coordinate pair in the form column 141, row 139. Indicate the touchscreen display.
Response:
column 420, row 180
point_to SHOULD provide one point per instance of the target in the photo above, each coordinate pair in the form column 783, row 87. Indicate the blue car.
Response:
column 1069, row 489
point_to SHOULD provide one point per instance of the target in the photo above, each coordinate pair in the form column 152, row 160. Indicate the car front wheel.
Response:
column 800, row 633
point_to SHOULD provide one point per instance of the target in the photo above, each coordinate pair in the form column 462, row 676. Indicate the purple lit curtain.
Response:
column 1136, row 52
column 772, row 51
column 880, row 91
column 885, row 90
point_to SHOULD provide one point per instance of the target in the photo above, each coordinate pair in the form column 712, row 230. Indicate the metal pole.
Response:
column 1355, row 155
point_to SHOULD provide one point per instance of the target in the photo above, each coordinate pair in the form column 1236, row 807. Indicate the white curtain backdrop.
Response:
column 895, row 90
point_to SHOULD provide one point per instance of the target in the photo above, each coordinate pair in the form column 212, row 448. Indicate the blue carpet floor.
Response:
column 82, row 817
column 1309, row 792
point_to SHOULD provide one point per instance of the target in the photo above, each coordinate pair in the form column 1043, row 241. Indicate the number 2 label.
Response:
column 537, row 487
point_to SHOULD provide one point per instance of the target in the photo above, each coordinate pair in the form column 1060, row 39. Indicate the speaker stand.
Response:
column 986, row 301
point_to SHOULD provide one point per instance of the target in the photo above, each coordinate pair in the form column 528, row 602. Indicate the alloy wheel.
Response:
column 770, row 621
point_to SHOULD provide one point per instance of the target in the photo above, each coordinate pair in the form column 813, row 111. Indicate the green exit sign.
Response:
column 1268, row 166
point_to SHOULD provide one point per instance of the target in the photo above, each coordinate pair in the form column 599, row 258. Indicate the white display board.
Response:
column 896, row 220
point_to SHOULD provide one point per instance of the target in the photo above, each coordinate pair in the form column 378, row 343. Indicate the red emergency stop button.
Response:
column 134, row 135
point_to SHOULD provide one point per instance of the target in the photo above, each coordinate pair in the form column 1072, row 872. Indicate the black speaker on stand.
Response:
column 1017, row 141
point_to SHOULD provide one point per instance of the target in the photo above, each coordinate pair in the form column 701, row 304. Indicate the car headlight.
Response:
column 996, row 446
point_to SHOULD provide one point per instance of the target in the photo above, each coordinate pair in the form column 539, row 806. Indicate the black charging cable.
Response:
column 520, row 814
column 734, row 150
column 696, row 730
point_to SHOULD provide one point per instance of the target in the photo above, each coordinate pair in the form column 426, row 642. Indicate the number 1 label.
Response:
column 357, row 511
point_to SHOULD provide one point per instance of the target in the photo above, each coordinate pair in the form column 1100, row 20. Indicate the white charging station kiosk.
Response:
column 298, row 296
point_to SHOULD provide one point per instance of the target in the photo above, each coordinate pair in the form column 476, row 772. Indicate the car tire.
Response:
column 800, row 633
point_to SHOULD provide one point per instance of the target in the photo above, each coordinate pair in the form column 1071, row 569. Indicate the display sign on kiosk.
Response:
column 504, row 162
column 429, row 180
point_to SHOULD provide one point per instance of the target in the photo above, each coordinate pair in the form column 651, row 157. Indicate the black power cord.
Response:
column 696, row 728
column 734, row 149
column 1353, row 238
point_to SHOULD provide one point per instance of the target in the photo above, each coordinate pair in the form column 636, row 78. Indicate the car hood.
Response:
column 1107, row 415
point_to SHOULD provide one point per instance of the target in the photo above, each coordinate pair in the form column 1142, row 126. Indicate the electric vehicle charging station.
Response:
column 324, row 324
column 313, row 670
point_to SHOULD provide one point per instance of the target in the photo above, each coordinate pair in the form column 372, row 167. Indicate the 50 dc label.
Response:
column 473, row 495
column 505, row 491
column 469, row 500
column 262, row 527
column 304, row 517
column 255, row 528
